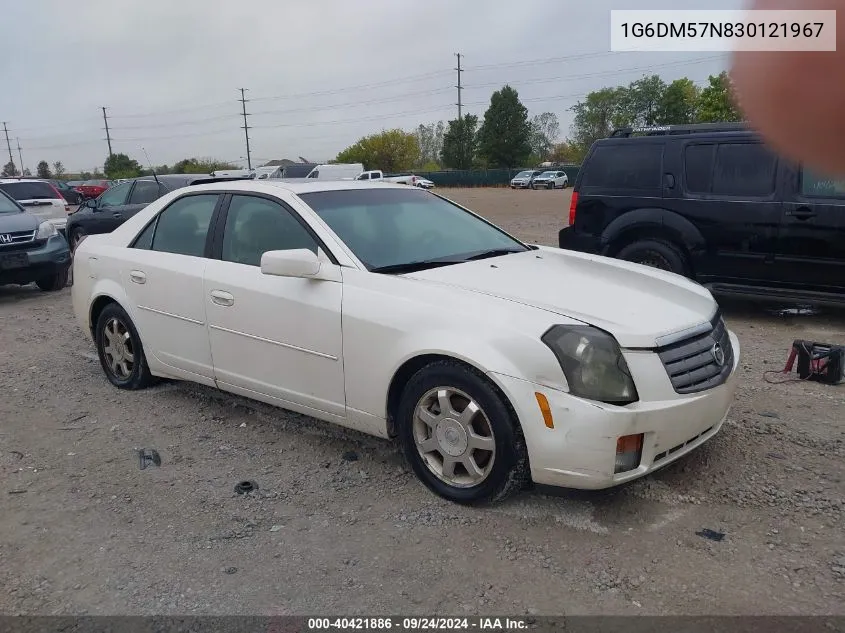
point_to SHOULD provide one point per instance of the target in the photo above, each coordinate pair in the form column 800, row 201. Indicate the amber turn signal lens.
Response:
column 545, row 409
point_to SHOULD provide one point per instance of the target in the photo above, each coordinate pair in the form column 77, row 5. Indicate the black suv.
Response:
column 713, row 203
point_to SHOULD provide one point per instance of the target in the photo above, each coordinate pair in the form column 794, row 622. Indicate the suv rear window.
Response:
column 29, row 190
column 624, row 166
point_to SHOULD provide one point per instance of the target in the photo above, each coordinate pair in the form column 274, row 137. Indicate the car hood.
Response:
column 635, row 303
column 11, row 222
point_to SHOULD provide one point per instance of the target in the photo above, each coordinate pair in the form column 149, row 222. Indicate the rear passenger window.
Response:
column 183, row 226
column 744, row 169
column 698, row 167
column 635, row 166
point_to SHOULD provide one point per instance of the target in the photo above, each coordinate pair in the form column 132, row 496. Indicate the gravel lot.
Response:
column 339, row 524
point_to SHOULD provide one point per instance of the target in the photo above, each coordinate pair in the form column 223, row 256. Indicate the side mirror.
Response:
column 293, row 263
column 91, row 203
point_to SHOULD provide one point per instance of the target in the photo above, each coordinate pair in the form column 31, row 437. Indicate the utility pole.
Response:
column 458, row 55
column 20, row 155
column 246, row 129
column 8, row 144
column 108, row 136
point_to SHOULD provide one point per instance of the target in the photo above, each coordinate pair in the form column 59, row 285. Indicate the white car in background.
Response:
column 40, row 198
column 551, row 180
column 393, row 311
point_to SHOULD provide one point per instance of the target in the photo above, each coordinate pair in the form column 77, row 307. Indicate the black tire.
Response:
column 657, row 254
column 509, row 472
column 551, row 185
column 53, row 282
column 75, row 236
column 139, row 377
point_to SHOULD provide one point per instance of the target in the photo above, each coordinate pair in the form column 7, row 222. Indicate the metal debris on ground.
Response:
column 794, row 311
column 245, row 487
column 148, row 456
column 711, row 534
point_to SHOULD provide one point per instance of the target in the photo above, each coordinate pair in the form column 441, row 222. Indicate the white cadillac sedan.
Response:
column 393, row 311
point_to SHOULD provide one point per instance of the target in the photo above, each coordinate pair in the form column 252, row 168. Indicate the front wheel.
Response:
column 120, row 350
column 77, row 234
column 53, row 282
column 461, row 438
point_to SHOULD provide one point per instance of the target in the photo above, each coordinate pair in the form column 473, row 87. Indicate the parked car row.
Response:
column 540, row 179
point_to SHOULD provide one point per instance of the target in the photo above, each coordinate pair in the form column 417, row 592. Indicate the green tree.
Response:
column 716, row 103
column 639, row 102
column 26, row 172
column 43, row 169
column 389, row 150
column 199, row 166
column 59, row 169
column 596, row 116
column 121, row 166
column 460, row 142
column 504, row 137
column 10, row 169
column 545, row 129
column 567, row 152
column 430, row 140
column 679, row 103
column 85, row 175
column 97, row 173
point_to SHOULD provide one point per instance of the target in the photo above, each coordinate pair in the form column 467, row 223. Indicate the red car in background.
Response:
column 93, row 188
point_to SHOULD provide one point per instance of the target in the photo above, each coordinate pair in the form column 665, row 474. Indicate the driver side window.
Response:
column 115, row 196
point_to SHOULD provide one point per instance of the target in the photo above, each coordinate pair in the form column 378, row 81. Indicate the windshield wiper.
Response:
column 493, row 252
column 411, row 267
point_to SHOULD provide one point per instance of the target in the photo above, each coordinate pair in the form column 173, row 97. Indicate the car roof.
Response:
column 6, row 181
column 297, row 188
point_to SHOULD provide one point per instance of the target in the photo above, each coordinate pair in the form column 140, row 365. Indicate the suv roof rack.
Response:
column 664, row 130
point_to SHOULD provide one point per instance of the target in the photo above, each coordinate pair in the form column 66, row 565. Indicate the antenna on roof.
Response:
column 151, row 166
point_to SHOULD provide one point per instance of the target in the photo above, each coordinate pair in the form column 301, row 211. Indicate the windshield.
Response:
column 388, row 228
column 548, row 174
column 29, row 190
column 7, row 205
column 523, row 174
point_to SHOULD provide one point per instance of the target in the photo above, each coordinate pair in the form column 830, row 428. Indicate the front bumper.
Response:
column 519, row 184
column 580, row 451
column 47, row 260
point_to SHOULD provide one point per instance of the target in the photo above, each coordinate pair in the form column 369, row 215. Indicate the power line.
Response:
column 108, row 136
column 246, row 129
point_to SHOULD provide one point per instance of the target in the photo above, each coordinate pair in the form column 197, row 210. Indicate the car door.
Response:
column 274, row 337
column 811, row 240
column 729, row 192
column 107, row 215
column 163, row 277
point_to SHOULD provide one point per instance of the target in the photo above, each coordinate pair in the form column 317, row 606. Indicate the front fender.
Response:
column 661, row 221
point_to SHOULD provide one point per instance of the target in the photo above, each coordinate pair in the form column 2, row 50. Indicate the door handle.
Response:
column 802, row 213
column 117, row 215
column 222, row 298
column 138, row 277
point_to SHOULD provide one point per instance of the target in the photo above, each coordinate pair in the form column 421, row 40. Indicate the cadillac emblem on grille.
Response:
column 718, row 354
column 5, row 238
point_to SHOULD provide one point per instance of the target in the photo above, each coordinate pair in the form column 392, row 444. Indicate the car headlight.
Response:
column 45, row 230
column 592, row 363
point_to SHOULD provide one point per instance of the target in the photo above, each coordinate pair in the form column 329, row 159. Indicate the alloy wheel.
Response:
column 454, row 437
column 118, row 349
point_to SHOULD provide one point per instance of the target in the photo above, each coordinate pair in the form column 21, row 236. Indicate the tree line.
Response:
column 504, row 137
column 507, row 137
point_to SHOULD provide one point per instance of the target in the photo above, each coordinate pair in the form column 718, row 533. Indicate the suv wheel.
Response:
column 657, row 254
column 54, row 282
column 120, row 350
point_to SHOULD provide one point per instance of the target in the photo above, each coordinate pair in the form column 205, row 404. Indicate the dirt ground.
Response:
column 339, row 524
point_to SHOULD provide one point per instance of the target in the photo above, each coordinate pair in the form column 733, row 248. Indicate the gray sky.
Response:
column 320, row 73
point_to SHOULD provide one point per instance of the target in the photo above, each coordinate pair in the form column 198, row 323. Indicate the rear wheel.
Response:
column 120, row 350
column 53, row 282
column 657, row 254
column 460, row 437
